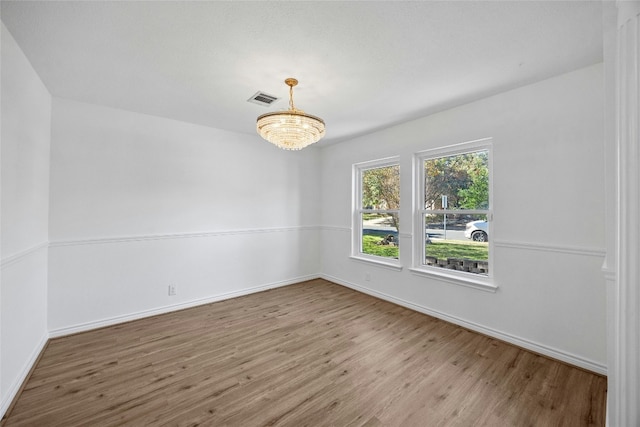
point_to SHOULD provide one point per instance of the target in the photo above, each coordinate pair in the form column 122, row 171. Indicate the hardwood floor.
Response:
column 310, row 354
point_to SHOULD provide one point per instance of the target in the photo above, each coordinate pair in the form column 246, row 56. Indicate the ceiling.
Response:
column 362, row 66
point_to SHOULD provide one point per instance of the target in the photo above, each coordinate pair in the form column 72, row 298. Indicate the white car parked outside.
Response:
column 477, row 231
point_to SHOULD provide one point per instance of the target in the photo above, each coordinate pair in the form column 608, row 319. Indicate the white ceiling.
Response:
column 362, row 66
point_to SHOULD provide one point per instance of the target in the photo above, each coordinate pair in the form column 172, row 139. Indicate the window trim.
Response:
column 357, row 210
column 486, row 283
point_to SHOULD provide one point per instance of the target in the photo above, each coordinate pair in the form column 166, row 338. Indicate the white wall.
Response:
column 139, row 203
column 548, row 233
column 26, row 125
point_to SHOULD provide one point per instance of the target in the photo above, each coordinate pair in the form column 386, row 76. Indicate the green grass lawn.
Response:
column 370, row 246
column 439, row 249
column 463, row 250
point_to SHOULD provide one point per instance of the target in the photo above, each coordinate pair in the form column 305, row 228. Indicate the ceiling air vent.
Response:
column 262, row 98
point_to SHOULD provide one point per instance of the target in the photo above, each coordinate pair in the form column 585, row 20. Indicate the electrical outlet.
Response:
column 367, row 276
column 172, row 290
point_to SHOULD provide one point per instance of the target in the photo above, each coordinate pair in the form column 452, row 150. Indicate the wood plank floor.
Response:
column 310, row 354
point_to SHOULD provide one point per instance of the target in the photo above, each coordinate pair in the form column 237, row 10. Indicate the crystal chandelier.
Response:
column 292, row 129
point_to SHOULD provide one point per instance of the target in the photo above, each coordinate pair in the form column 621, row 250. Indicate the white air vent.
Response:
column 262, row 98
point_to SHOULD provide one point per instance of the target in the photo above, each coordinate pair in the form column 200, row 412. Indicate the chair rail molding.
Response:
column 14, row 258
column 206, row 234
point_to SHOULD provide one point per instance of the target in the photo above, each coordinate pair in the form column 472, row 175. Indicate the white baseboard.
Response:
column 175, row 307
column 520, row 342
column 13, row 390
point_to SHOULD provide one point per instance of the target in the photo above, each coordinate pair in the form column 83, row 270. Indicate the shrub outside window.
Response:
column 454, row 216
column 376, row 222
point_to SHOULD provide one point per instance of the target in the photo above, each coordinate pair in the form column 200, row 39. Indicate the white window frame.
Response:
column 419, row 267
column 358, row 210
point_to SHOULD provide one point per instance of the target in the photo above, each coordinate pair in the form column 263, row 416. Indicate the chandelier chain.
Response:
column 291, row 106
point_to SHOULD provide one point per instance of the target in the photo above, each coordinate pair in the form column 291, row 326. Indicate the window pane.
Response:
column 457, row 242
column 381, row 188
column 457, row 182
column 380, row 234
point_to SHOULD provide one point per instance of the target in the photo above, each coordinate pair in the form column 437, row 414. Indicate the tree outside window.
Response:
column 377, row 209
column 456, row 209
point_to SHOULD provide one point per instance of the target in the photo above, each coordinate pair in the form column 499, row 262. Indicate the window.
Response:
column 453, row 219
column 376, row 221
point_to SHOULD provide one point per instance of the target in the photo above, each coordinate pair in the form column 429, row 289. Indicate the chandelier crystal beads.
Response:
column 292, row 129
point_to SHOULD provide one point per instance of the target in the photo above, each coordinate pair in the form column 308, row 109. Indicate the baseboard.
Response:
column 175, row 307
column 511, row 339
column 16, row 386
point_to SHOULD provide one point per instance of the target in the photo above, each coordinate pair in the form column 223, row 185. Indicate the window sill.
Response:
column 379, row 262
column 482, row 283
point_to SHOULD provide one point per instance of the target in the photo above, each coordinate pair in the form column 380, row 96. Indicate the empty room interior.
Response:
column 320, row 213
